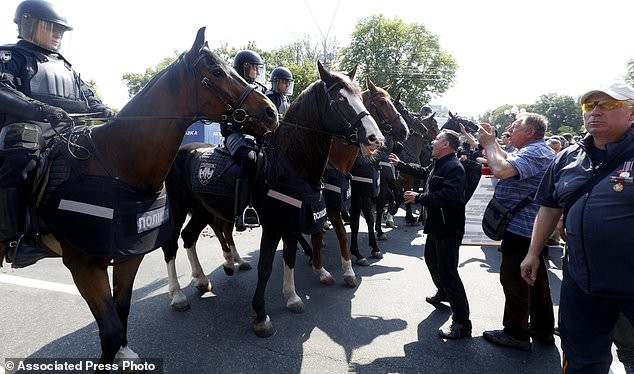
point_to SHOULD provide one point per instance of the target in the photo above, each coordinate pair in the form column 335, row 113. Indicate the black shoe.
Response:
column 546, row 339
column 436, row 300
column 455, row 331
column 504, row 339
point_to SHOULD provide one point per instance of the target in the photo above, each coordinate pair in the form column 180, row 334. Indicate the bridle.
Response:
column 386, row 124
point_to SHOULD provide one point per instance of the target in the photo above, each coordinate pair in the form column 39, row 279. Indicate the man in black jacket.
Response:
column 444, row 199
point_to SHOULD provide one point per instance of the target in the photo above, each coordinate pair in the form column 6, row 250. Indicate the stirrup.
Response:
column 250, row 217
column 21, row 254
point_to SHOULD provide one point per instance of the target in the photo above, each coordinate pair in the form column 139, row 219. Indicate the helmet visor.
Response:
column 284, row 86
column 254, row 72
column 47, row 35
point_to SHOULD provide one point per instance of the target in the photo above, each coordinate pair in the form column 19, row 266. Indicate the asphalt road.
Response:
column 382, row 326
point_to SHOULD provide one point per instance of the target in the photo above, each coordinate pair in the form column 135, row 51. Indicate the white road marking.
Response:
column 36, row 283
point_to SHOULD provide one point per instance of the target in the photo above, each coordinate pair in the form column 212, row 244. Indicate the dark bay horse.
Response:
column 416, row 149
column 298, row 155
column 136, row 149
column 341, row 157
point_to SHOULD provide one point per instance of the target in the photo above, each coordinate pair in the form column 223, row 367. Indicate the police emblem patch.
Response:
column 5, row 56
column 205, row 172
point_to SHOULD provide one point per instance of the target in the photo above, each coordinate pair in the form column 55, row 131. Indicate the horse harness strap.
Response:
column 351, row 132
column 385, row 125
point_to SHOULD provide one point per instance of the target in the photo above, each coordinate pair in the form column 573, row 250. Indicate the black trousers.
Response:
column 441, row 257
column 523, row 302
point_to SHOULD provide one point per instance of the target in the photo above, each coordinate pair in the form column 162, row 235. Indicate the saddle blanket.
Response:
column 214, row 172
column 337, row 190
column 102, row 216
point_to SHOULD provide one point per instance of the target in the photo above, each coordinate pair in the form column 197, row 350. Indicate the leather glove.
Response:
column 107, row 113
column 54, row 115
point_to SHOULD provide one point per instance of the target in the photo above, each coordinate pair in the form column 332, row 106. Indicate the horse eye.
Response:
column 217, row 72
column 341, row 98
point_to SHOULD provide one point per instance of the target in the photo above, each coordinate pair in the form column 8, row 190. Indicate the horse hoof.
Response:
column 390, row 224
column 382, row 236
column 350, row 281
column 205, row 287
column 245, row 266
column 377, row 254
column 229, row 271
column 181, row 307
column 263, row 329
column 362, row 262
column 297, row 307
column 328, row 281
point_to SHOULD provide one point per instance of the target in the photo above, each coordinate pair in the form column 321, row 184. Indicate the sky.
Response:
column 508, row 51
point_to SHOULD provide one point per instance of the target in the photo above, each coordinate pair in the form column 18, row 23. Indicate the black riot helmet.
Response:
column 281, row 75
column 425, row 110
column 249, row 66
column 38, row 21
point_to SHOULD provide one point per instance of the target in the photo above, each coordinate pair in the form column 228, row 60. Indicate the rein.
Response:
column 385, row 125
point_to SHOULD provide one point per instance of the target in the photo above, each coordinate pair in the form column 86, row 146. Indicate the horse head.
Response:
column 427, row 127
column 378, row 101
column 455, row 121
column 226, row 96
column 349, row 115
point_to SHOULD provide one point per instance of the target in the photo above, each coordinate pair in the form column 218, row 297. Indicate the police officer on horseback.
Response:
column 425, row 111
column 38, row 88
column 282, row 84
column 243, row 146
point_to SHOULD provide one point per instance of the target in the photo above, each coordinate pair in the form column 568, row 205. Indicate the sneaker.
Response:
column 504, row 339
column 455, row 331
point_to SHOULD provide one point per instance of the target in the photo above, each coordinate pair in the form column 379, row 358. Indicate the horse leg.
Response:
column 369, row 220
column 293, row 302
column 228, row 235
column 223, row 236
column 355, row 213
column 170, row 249
column 91, row 278
column 262, row 325
column 318, row 265
column 308, row 250
column 123, row 275
column 190, row 234
column 380, row 206
column 349, row 277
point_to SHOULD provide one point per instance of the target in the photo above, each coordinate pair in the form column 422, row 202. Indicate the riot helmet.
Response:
column 39, row 23
column 250, row 66
column 425, row 110
column 282, row 81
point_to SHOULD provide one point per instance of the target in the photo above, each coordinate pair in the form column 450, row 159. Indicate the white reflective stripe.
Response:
column 362, row 179
column 90, row 209
column 385, row 163
column 332, row 187
column 285, row 198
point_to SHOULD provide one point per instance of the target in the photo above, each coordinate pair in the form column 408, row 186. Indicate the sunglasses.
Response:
column 605, row 105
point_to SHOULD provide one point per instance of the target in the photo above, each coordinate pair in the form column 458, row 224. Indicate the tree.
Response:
column 561, row 110
column 136, row 81
column 404, row 56
column 629, row 76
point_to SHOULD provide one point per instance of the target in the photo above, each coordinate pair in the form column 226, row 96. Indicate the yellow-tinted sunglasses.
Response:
column 605, row 105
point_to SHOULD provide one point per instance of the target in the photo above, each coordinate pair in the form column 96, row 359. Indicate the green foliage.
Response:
column 564, row 129
column 561, row 110
column 629, row 76
column 404, row 56
column 136, row 81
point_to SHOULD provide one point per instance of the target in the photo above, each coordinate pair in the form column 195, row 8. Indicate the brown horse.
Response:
column 341, row 157
column 136, row 149
column 416, row 149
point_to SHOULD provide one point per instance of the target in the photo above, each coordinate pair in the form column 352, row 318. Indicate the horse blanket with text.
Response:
column 214, row 172
column 366, row 179
column 102, row 216
column 296, row 206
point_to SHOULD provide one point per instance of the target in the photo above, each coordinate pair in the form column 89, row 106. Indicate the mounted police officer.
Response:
column 282, row 84
column 425, row 111
column 38, row 88
column 242, row 145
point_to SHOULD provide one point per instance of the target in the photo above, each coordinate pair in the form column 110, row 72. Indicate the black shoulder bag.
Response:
column 497, row 217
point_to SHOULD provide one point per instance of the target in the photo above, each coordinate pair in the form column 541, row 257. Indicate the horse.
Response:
column 417, row 149
column 298, row 153
column 341, row 158
column 134, row 151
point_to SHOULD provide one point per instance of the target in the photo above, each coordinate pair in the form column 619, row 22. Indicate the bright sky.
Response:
column 508, row 52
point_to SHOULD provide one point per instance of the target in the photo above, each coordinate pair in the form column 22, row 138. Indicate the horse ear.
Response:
column 370, row 84
column 451, row 115
column 199, row 42
column 324, row 74
column 398, row 98
column 353, row 72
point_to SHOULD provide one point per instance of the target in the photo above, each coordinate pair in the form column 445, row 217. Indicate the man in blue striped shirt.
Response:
column 520, row 173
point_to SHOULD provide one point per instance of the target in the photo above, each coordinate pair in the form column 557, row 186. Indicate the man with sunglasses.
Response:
column 599, row 264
